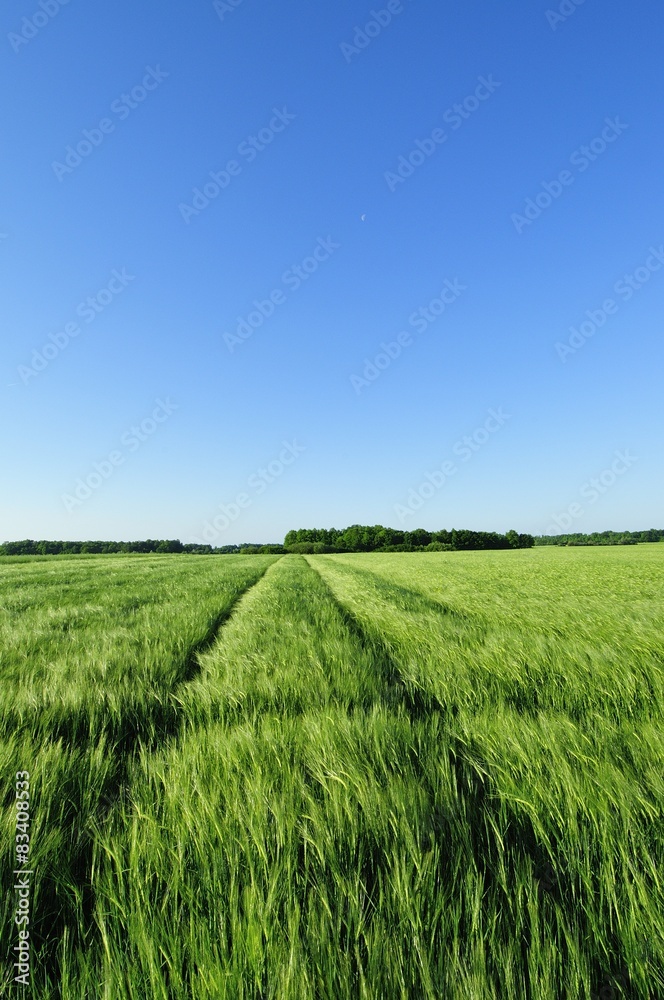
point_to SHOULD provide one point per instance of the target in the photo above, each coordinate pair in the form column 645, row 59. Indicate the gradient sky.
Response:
column 350, row 108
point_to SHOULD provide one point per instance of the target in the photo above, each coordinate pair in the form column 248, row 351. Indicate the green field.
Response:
column 373, row 776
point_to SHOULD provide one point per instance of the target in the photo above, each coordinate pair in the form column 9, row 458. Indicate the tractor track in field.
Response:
column 413, row 600
column 159, row 723
column 473, row 787
column 394, row 691
column 192, row 666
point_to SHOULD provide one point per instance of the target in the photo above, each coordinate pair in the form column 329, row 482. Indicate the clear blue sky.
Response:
column 170, row 93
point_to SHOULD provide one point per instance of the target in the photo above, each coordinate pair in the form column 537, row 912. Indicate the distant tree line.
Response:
column 356, row 538
column 603, row 538
column 377, row 538
column 28, row 547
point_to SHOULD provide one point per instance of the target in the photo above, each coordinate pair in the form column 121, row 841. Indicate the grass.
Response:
column 427, row 776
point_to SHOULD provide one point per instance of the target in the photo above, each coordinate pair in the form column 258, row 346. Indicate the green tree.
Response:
column 512, row 539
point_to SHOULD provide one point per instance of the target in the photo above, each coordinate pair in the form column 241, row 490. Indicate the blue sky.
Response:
column 474, row 179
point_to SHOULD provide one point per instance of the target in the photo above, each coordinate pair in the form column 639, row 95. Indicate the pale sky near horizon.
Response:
column 314, row 265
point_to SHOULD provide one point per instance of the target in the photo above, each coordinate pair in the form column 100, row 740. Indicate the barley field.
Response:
column 436, row 775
